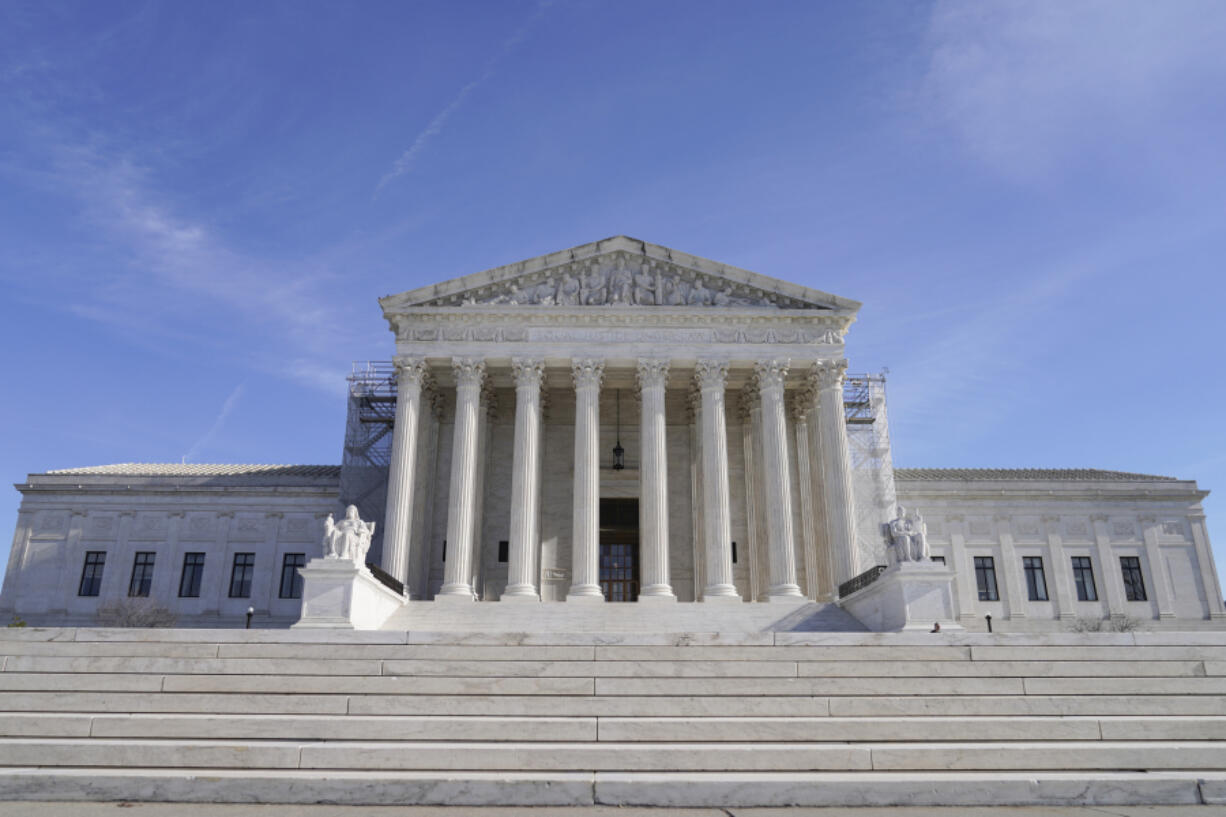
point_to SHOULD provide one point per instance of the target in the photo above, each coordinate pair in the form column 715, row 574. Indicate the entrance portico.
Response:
column 544, row 345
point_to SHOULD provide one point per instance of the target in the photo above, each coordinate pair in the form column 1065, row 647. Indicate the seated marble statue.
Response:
column 348, row 540
column 909, row 537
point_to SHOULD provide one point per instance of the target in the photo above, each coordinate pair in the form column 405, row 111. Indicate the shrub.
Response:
column 135, row 613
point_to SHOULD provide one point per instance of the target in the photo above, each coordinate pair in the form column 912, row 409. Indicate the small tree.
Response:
column 135, row 613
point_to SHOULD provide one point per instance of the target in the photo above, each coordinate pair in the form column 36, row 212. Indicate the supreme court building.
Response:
column 616, row 423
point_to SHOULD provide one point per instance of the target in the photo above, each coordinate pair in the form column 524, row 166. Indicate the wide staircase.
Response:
column 695, row 719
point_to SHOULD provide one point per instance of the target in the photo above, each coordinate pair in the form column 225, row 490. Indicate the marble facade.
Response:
column 726, row 390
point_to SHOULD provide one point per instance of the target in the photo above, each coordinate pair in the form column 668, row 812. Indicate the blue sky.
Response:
column 200, row 204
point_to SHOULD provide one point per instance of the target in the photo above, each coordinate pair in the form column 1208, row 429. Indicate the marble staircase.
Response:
column 725, row 719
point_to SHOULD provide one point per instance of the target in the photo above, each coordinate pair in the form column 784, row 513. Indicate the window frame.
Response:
column 291, row 562
column 240, row 583
column 1036, row 581
column 985, row 578
column 1083, row 568
column 142, row 572
column 195, row 561
column 1133, row 578
column 91, row 571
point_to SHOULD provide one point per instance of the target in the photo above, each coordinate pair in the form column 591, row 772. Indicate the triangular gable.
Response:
column 619, row 271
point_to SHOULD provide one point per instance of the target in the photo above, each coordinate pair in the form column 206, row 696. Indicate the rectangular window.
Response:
column 1036, row 584
column 1134, row 582
column 938, row 559
column 193, row 573
column 91, row 574
column 985, row 577
column 444, row 550
column 503, row 550
column 1083, row 578
column 142, row 574
column 734, row 552
column 291, row 582
column 240, row 575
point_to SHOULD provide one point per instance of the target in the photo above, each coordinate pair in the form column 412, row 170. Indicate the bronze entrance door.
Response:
column 619, row 549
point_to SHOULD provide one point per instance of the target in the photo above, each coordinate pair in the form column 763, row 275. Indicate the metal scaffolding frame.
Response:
column 368, row 442
column 872, row 467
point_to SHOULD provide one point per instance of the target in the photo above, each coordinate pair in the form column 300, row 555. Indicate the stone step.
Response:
column 701, row 729
column 690, row 789
column 644, row 756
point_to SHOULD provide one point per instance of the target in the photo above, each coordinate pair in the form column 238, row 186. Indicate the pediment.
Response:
column 618, row 272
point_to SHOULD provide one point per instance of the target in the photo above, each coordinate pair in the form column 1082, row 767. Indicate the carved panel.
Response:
column 52, row 522
column 101, row 525
column 1123, row 529
column 149, row 525
column 1077, row 528
column 980, row 527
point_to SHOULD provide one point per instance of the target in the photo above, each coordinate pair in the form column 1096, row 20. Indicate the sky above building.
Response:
column 201, row 202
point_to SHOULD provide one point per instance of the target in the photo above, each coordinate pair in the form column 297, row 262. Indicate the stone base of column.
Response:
column 907, row 596
column 339, row 594
column 520, row 596
column 585, row 594
column 787, row 594
column 721, row 594
column 455, row 594
column 658, row 594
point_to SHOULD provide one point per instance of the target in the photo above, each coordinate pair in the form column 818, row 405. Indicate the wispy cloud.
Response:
column 1029, row 87
column 226, row 408
column 408, row 159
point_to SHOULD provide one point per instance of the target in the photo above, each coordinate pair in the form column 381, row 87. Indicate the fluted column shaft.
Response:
column 712, row 376
column 585, row 559
column 401, row 476
column 525, row 480
column 780, row 536
column 804, row 473
column 461, row 513
column 836, row 468
column 755, row 525
column 653, row 472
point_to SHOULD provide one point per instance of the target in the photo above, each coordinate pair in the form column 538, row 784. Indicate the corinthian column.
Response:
column 777, row 481
column 411, row 373
column 525, row 480
column 462, row 510
column 827, row 378
column 712, row 376
column 585, row 570
column 653, row 472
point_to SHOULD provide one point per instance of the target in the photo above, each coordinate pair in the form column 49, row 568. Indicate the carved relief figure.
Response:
column 672, row 292
column 348, row 540
column 644, row 287
column 593, row 290
column 621, row 282
column 698, row 295
column 544, row 292
column 568, row 290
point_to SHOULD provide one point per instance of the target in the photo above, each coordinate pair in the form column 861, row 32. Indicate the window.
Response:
column 938, row 559
column 240, row 575
column 1083, row 577
column 734, row 552
column 291, row 582
column 193, row 572
column 142, row 574
column 444, row 550
column 1134, row 582
column 1036, row 584
column 985, row 577
column 91, row 574
column 503, row 550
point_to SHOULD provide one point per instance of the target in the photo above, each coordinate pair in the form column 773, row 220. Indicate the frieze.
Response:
column 1122, row 529
column 1077, row 528
column 52, row 522
column 1172, row 529
column 101, row 525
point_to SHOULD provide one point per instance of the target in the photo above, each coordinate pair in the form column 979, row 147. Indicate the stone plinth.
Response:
column 907, row 596
column 340, row 594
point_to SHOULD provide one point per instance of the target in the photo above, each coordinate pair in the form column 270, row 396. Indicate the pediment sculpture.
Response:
column 348, row 539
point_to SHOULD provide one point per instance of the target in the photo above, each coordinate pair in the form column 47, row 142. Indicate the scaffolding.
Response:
column 368, row 442
column 872, row 467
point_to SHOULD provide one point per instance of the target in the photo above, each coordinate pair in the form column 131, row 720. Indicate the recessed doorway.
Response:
column 619, row 549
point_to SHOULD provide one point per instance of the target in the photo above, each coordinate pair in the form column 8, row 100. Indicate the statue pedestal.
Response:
column 907, row 596
column 340, row 594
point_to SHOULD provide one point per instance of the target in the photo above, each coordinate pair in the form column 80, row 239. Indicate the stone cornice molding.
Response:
column 769, row 374
column 621, row 272
column 1099, row 517
column 711, row 374
column 652, row 372
column 527, row 372
column 829, row 374
column 587, row 372
column 469, row 371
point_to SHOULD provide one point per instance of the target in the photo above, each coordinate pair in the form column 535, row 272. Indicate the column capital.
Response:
column 411, row 370
column 802, row 404
column 711, row 374
column 828, row 374
column 770, row 373
column 693, row 402
column 469, row 371
column 528, row 371
column 587, row 372
column 748, row 401
column 652, row 372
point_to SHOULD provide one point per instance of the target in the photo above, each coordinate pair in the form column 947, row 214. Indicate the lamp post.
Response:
column 250, row 613
column 988, row 616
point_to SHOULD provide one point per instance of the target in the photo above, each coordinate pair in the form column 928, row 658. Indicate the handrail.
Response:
column 860, row 582
column 386, row 578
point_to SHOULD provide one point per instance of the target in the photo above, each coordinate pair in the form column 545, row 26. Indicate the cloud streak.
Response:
column 226, row 408
column 405, row 163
